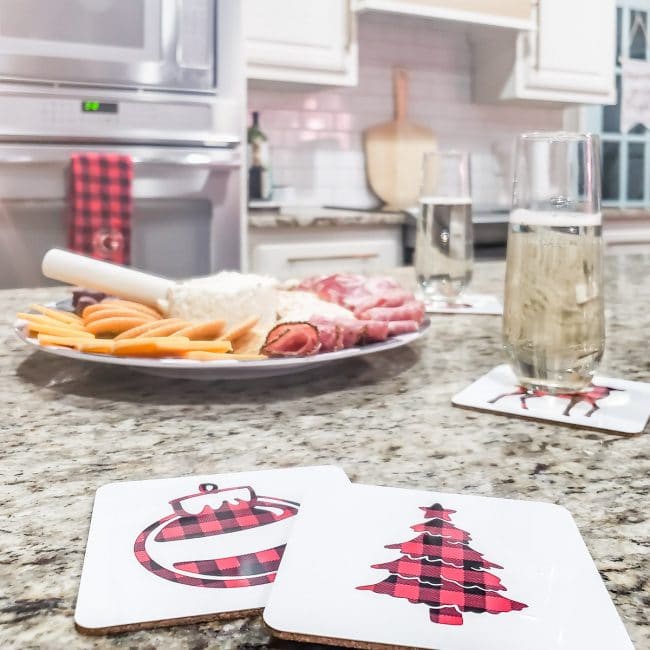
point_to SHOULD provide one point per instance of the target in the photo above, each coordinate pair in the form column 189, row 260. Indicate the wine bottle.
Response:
column 259, row 173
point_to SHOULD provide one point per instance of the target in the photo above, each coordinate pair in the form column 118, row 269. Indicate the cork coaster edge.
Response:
column 168, row 622
column 335, row 641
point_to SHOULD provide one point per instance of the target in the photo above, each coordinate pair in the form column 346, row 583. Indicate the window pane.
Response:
column 611, row 160
column 612, row 114
column 619, row 21
column 635, row 169
column 638, row 44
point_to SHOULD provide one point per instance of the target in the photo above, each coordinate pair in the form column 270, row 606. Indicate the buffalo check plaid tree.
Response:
column 438, row 568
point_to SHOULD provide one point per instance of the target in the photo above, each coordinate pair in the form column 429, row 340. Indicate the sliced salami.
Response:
column 376, row 331
column 329, row 333
column 368, row 298
column 397, row 327
column 376, row 309
column 412, row 310
column 391, row 298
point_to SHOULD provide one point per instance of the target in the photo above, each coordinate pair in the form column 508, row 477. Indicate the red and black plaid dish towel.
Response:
column 100, row 206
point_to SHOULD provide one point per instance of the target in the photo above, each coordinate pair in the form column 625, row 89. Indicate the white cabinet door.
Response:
column 573, row 49
column 287, row 252
column 298, row 260
column 311, row 41
column 568, row 59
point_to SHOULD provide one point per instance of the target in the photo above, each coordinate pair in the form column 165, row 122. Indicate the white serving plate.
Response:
column 209, row 370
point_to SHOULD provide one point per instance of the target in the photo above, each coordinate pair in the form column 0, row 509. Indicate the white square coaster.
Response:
column 189, row 548
column 370, row 565
column 611, row 404
column 468, row 304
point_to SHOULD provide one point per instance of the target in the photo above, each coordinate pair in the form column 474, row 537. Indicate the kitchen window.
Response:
column 625, row 156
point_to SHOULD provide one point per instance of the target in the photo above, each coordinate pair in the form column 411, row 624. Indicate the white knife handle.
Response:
column 109, row 278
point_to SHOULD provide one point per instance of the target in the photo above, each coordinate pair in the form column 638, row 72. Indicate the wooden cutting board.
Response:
column 394, row 152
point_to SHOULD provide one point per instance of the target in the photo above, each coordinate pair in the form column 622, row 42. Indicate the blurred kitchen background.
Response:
column 173, row 84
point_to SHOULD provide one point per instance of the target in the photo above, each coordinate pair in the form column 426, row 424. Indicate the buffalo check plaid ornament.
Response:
column 100, row 206
column 438, row 568
column 211, row 512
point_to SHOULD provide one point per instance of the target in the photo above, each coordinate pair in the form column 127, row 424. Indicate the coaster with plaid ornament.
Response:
column 395, row 568
column 171, row 551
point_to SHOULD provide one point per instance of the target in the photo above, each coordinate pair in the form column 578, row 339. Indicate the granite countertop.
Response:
column 68, row 428
column 322, row 217
column 300, row 216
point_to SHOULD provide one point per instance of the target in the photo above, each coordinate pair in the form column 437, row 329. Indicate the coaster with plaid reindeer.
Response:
column 615, row 405
column 375, row 567
column 172, row 551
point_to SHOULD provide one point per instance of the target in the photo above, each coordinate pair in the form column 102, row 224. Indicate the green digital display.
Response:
column 92, row 106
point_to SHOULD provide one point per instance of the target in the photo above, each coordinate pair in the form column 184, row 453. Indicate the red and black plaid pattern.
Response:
column 439, row 569
column 249, row 564
column 435, row 572
column 227, row 519
column 100, row 206
column 447, row 551
column 442, row 529
column 245, row 570
column 436, row 511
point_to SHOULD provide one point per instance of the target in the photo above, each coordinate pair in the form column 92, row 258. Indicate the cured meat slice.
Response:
column 376, row 330
column 353, row 332
column 348, row 332
column 292, row 340
column 396, row 327
column 369, row 311
column 329, row 334
column 390, row 298
column 368, row 298
column 346, row 289
column 412, row 310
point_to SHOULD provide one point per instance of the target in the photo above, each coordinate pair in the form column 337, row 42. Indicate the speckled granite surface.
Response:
column 322, row 217
column 67, row 428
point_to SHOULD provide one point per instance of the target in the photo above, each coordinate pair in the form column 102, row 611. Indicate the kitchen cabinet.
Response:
column 289, row 252
column 568, row 58
column 306, row 41
column 514, row 14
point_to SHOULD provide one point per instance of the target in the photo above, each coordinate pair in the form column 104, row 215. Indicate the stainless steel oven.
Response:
column 185, row 209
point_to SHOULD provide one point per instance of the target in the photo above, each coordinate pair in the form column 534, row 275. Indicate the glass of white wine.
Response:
column 444, row 245
column 553, row 322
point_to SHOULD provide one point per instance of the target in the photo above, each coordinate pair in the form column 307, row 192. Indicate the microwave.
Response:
column 147, row 71
column 160, row 44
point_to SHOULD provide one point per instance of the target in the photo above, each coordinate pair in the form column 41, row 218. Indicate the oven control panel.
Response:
column 93, row 118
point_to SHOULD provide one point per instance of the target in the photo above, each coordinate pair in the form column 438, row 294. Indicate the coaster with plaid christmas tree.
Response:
column 438, row 568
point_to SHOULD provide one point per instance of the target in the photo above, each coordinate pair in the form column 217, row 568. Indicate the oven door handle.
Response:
column 226, row 158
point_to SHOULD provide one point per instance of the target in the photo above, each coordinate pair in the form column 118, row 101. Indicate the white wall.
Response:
column 316, row 133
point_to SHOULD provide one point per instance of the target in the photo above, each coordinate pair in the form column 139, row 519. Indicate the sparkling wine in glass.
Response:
column 553, row 323
column 444, row 250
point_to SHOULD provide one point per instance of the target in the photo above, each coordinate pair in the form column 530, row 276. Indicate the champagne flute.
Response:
column 553, row 322
column 444, row 250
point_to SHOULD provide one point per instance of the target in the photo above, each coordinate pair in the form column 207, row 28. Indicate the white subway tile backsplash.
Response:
column 318, row 121
column 282, row 119
column 316, row 134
